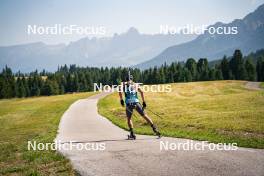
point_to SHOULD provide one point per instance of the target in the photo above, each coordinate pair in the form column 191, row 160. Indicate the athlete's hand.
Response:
column 122, row 102
column 144, row 104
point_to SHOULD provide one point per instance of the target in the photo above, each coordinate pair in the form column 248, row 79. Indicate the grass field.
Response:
column 216, row 111
column 32, row 119
column 262, row 85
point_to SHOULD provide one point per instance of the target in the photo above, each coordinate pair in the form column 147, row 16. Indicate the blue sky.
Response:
column 116, row 15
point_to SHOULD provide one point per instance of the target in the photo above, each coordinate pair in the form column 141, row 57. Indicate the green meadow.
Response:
column 215, row 111
column 33, row 119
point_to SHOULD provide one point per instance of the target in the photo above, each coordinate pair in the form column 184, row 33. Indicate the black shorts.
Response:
column 131, row 106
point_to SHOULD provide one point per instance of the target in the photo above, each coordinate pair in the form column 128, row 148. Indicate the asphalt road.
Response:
column 82, row 125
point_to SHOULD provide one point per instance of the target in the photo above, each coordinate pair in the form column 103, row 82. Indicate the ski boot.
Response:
column 156, row 131
column 131, row 136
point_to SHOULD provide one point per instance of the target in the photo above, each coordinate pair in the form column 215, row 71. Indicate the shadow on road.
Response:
column 107, row 140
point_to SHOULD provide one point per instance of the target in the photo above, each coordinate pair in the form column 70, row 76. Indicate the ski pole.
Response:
column 155, row 113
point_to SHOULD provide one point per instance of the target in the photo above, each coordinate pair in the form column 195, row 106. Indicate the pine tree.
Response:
column 35, row 87
column 69, row 81
column 161, row 76
column 171, row 72
column 25, row 83
column 187, row 75
column 47, row 88
column 1, row 87
column 203, row 69
column 218, row 74
column 8, row 83
column 20, row 88
column 225, row 68
column 155, row 76
column 83, row 82
column 90, row 82
column 61, row 89
column 260, row 69
column 212, row 74
column 76, row 85
column 50, row 87
column 179, row 75
column 192, row 67
column 237, row 66
column 250, row 69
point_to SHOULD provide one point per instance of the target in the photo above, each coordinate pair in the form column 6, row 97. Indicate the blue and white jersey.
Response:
column 130, row 93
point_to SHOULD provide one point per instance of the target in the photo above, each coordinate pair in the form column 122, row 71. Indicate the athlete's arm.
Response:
column 143, row 98
column 121, row 96
column 142, row 94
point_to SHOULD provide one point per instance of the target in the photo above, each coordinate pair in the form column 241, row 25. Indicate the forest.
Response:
column 69, row 79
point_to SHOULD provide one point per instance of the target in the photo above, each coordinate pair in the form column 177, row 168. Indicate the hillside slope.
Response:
column 250, row 38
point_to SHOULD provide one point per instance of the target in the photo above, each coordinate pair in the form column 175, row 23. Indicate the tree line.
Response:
column 80, row 79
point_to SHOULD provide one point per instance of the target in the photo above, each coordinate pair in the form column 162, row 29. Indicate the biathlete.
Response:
column 131, row 102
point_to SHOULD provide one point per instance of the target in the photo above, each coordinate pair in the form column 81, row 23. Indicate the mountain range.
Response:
column 125, row 49
column 138, row 50
column 250, row 37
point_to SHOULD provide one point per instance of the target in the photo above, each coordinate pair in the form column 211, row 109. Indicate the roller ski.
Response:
column 131, row 136
column 156, row 131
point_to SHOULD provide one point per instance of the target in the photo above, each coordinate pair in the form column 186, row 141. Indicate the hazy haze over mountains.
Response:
column 125, row 49
column 140, row 50
column 250, row 37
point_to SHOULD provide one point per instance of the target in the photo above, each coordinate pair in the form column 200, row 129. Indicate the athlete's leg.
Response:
column 148, row 119
column 140, row 110
column 129, row 123
column 129, row 112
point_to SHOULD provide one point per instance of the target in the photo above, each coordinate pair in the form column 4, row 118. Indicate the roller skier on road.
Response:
column 131, row 102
